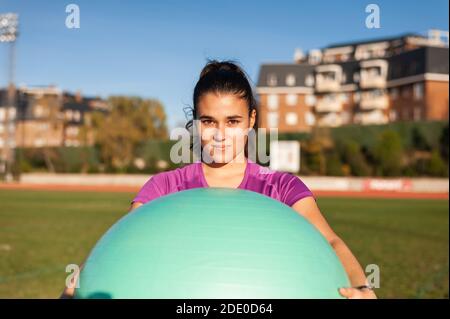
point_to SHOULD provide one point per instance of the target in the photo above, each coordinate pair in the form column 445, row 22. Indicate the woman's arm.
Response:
column 308, row 208
column 68, row 293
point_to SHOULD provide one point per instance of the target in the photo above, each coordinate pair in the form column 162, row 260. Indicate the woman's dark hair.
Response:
column 223, row 77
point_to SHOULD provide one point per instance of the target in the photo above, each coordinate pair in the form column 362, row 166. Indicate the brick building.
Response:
column 402, row 78
column 46, row 117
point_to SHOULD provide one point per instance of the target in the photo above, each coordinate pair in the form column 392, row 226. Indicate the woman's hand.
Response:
column 68, row 293
column 355, row 293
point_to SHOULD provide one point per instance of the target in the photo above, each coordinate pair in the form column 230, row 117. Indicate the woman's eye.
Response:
column 207, row 122
column 233, row 122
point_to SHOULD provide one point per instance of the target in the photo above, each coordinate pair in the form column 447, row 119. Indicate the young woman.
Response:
column 224, row 109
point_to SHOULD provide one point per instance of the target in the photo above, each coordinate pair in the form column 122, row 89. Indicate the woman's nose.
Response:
column 219, row 133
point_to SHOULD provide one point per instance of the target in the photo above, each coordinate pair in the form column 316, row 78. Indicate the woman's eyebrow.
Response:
column 228, row 117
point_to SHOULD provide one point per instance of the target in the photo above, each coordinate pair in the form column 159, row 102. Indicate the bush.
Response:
column 314, row 157
column 419, row 141
column 353, row 157
column 444, row 143
column 388, row 153
column 436, row 166
column 334, row 165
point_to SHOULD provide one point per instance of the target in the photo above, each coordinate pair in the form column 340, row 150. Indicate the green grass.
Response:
column 41, row 232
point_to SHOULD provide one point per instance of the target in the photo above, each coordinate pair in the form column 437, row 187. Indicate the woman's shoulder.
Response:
column 166, row 182
column 176, row 175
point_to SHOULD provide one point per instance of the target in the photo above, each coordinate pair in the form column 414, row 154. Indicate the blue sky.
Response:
column 157, row 48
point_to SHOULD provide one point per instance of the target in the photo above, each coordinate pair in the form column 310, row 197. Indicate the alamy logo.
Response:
column 73, row 19
column 373, row 19
column 72, row 279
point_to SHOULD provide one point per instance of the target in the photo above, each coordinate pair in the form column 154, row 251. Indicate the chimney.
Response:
column 299, row 56
column 78, row 97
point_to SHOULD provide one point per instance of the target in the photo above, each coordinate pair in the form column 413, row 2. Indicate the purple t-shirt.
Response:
column 285, row 187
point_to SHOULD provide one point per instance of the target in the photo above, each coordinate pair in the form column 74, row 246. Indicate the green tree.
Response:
column 353, row 157
column 419, row 141
column 436, row 166
column 388, row 153
column 444, row 143
column 334, row 164
column 130, row 122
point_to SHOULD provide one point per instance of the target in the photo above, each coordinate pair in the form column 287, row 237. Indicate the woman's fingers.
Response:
column 351, row 293
column 354, row 293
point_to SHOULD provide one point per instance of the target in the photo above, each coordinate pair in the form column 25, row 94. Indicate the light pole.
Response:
column 9, row 24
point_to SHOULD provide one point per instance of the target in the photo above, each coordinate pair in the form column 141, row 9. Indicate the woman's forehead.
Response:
column 223, row 105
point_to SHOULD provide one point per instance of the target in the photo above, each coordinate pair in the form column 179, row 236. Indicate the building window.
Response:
column 309, row 81
column 272, row 79
column 39, row 142
column 291, row 118
column 315, row 56
column 330, row 97
column 77, row 116
column 310, row 100
column 374, row 72
column 290, row 80
column 345, row 97
column 377, row 93
column 418, row 91
column 310, row 119
column 345, row 57
column 11, row 114
column 38, row 111
column 72, row 131
column 272, row 101
column 272, row 119
column 291, row 99
column 69, row 115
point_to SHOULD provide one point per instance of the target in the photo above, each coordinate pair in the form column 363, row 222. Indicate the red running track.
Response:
column 135, row 189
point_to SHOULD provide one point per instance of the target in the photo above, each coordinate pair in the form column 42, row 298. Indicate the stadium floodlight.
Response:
column 9, row 30
column 9, row 27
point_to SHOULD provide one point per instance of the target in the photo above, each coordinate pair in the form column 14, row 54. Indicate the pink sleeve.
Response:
column 152, row 189
column 293, row 189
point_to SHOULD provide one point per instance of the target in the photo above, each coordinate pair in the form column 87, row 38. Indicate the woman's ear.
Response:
column 252, row 118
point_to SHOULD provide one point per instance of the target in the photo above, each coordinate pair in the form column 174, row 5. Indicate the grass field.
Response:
column 41, row 232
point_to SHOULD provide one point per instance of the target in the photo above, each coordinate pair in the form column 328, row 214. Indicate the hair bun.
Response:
column 217, row 66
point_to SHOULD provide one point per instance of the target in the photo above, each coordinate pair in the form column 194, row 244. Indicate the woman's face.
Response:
column 223, row 126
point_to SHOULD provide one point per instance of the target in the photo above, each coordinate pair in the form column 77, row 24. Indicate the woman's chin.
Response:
column 222, row 157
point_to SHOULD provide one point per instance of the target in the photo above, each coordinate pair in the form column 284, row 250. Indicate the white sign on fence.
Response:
column 285, row 156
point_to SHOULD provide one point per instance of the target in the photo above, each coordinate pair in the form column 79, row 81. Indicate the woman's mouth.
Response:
column 220, row 147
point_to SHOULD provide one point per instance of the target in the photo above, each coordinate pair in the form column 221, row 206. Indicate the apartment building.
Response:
column 403, row 78
column 77, row 111
column 46, row 117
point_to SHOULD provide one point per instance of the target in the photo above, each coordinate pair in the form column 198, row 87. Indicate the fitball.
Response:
column 212, row 243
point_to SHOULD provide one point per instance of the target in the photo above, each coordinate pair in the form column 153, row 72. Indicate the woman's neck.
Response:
column 235, row 166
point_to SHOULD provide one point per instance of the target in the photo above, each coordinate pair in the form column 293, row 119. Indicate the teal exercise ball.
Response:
column 212, row 243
